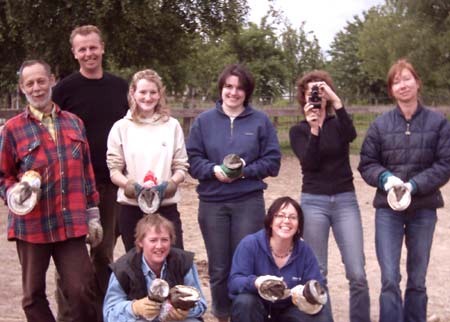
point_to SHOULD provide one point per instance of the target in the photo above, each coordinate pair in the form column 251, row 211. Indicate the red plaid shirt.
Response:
column 68, row 183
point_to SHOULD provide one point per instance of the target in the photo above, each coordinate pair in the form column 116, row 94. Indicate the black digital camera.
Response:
column 315, row 99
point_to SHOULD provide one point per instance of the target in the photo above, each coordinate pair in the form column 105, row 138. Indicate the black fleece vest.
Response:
column 128, row 271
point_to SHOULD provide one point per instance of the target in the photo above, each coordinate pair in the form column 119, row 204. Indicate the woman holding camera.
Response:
column 322, row 143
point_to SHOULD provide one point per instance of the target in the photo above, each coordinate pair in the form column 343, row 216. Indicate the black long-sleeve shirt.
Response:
column 324, row 158
column 99, row 103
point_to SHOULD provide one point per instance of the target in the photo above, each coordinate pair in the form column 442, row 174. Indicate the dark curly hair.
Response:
column 312, row 77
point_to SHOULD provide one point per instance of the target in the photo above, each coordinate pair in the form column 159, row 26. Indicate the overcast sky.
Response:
column 324, row 17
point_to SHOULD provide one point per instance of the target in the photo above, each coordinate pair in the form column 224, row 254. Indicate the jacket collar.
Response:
column 55, row 111
column 417, row 112
column 247, row 109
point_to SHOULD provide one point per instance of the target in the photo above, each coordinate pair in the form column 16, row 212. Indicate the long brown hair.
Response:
column 150, row 75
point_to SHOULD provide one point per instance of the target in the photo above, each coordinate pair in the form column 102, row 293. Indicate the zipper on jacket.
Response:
column 407, row 132
column 408, row 135
column 231, row 126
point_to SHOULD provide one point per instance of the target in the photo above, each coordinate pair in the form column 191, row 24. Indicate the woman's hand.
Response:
column 328, row 94
column 221, row 176
column 312, row 116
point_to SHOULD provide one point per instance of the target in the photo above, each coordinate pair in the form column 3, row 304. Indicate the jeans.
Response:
column 223, row 225
column 101, row 256
column 250, row 307
column 417, row 229
column 341, row 213
column 72, row 262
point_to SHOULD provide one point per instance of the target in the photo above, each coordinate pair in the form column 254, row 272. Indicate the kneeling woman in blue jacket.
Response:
column 271, row 265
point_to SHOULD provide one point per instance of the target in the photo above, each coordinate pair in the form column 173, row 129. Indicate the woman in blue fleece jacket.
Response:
column 231, row 207
column 278, row 251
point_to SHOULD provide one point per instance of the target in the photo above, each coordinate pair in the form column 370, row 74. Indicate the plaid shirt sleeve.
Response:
column 8, row 171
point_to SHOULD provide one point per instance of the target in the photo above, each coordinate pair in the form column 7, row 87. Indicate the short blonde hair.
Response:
column 155, row 221
column 150, row 75
column 84, row 31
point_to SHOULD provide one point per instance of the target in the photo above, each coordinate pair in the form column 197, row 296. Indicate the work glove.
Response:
column 177, row 314
column 95, row 229
column 391, row 182
column 271, row 288
column 170, row 189
column 232, row 166
column 146, row 308
column 22, row 197
column 410, row 187
column 309, row 298
column 132, row 189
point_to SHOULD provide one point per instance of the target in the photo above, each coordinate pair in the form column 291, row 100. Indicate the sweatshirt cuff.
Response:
column 414, row 186
column 382, row 178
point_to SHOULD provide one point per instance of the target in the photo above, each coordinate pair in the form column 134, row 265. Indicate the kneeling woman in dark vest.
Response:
column 153, row 258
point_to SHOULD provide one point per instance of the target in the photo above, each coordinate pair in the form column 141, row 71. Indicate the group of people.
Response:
column 102, row 153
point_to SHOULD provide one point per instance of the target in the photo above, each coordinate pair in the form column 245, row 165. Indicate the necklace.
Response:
column 282, row 255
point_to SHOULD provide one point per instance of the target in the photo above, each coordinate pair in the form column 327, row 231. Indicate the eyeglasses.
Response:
column 288, row 217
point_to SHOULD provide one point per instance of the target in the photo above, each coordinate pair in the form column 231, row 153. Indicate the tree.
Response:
column 300, row 54
column 346, row 64
column 10, row 53
column 409, row 29
column 147, row 33
column 258, row 48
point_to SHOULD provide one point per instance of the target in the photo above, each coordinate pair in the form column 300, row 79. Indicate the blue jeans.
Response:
column 417, row 228
column 250, row 307
column 223, row 225
column 341, row 213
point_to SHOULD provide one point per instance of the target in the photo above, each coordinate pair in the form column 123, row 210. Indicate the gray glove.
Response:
column 23, row 192
column 95, row 234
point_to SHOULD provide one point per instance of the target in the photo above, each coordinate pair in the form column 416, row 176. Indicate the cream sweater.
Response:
column 150, row 144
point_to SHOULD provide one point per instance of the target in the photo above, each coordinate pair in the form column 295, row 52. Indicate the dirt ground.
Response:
column 287, row 183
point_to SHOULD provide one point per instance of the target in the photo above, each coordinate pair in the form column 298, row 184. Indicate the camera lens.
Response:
column 315, row 99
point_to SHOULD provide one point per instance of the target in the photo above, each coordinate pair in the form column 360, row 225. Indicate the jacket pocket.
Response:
column 31, row 156
column 77, row 145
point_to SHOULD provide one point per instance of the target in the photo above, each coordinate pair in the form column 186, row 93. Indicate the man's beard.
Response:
column 42, row 103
